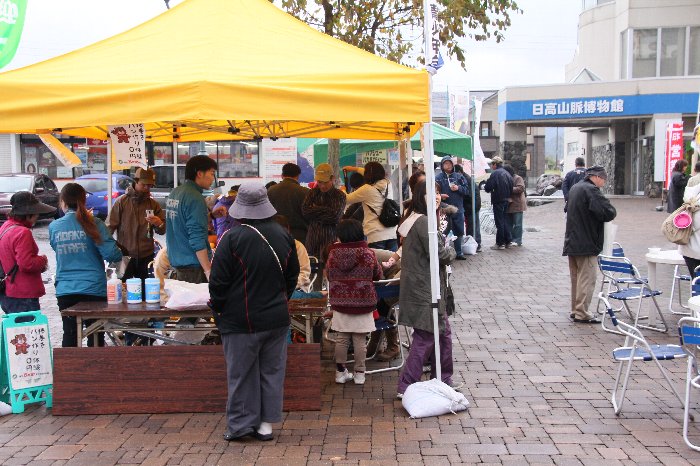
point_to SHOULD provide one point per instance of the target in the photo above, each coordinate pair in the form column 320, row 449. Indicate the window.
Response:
column 623, row 54
column 644, row 53
column 162, row 154
column 238, row 159
column 694, row 48
column 485, row 129
column 50, row 185
column 572, row 148
column 672, row 52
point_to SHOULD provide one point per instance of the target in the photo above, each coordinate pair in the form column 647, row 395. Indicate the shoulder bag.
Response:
column 390, row 216
column 678, row 226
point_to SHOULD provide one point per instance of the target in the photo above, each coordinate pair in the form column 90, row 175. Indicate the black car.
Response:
column 38, row 184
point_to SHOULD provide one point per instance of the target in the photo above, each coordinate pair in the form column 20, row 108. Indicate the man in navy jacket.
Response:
column 500, row 185
column 453, row 189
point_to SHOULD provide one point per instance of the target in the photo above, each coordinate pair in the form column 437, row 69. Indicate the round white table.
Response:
column 694, row 305
column 670, row 256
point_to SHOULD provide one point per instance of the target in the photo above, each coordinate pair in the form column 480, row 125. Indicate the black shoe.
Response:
column 229, row 436
column 262, row 437
column 461, row 258
column 572, row 316
column 586, row 321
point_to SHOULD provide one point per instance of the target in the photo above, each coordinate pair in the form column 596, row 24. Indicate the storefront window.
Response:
column 694, row 62
column 672, row 51
column 162, row 153
column 238, row 159
column 644, row 53
column 623, row 54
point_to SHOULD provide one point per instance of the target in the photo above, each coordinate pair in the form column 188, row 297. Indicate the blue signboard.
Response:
column 597, row 107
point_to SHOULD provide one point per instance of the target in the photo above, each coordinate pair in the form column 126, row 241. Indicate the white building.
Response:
column 636, row 67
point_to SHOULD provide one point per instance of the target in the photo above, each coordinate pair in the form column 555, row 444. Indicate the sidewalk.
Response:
column 539, row 386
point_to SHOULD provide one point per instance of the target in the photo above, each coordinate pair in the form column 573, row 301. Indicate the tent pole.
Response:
column 430, row 188
column 109, row 177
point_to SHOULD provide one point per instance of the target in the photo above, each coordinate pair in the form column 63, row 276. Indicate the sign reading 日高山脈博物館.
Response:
column 597, row 107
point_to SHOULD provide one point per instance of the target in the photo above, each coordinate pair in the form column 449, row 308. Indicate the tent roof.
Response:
column 445, row 141
column 207, row 66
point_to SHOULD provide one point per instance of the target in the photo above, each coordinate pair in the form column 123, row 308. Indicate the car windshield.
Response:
column 93, row 185
column 13, row 184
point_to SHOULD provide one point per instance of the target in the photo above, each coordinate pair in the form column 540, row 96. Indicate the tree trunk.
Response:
column 334, row 159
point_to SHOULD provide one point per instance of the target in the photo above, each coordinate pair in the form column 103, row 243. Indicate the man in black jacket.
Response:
column 500, row 185
column 588, row 209
column 573, row 177
column 287, row 197
column 253, row 274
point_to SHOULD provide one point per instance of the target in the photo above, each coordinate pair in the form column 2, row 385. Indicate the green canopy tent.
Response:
column 446, row 142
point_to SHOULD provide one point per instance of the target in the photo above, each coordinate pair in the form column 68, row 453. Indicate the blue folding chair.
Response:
column 636, row 348
column 627, row 285
column 689, row 332
column 617, row 251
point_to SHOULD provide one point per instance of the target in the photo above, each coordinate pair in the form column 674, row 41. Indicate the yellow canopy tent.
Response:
column 218, row 69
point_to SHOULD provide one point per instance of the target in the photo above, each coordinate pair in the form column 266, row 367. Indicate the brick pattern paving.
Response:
column 538, row 387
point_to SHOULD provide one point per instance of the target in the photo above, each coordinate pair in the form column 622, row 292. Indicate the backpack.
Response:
column 13, row 271
column 391, row 213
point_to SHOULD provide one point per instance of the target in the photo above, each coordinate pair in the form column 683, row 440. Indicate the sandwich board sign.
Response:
column 26, row 362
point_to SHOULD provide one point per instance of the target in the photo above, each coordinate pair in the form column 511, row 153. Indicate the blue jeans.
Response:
column 15, row 305
column 516, row 221
column 455, row 224
column 386, row 244
column 503, row 235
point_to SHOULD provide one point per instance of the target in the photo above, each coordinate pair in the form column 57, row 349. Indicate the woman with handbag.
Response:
column 691, row 251
column 19, row 255
column 253, row 274
column 372, row 195
column 82, row 243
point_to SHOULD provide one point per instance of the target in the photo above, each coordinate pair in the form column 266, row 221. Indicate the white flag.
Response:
column 479, row 158
column 129, row 144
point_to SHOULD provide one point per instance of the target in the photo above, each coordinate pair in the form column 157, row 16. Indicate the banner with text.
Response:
column 275, row 154
column 674, row 148
column 128, row 145
column 12, row 13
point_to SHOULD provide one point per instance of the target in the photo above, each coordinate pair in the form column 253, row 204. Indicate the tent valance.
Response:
column 218, row 69
column 445, row 142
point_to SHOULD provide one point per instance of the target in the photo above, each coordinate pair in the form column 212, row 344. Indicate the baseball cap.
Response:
column 323, row 173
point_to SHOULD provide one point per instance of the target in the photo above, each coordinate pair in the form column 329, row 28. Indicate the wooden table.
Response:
column 169, row 378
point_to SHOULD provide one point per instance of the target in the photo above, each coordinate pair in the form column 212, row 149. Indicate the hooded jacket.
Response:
column 588, row 210
column 351, row 269
column 444, row 179
column 128, row 219
column 17, row 246
column 500, row 185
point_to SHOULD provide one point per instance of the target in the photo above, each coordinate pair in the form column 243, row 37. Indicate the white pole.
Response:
column 430, row 188
column 174, row 163
column 109, row 177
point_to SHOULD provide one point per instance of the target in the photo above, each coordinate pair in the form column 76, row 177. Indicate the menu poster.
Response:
column 29, row 356
column 275, row 154
column 129, row 145
column 372, row 156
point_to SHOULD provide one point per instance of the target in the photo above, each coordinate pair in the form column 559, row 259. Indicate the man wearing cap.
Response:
column 500, row 185
column 253, row 274
column 588, row 210
column 135, row 216
column 19, row 255
column 322, row 208
column 287, row 197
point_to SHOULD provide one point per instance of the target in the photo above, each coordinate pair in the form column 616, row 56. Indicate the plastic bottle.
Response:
column 114, row 288
column 133, row 291
column 152, row 291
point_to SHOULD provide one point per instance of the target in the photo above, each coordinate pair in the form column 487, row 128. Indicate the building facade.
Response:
column 636, row 68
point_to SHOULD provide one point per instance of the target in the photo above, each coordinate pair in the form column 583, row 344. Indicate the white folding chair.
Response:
column 689, row 331
column 676, row 285
column 636, row 348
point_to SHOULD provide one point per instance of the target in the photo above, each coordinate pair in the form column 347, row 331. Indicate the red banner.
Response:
column 674, row 148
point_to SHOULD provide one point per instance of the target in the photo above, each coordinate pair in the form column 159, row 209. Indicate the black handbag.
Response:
column 390, row 216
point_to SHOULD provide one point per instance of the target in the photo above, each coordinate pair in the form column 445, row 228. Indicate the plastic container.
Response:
column 114, row 289
column 133, row 291
column 152, row 290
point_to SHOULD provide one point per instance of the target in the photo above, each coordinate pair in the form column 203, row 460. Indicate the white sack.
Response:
column 432, row 398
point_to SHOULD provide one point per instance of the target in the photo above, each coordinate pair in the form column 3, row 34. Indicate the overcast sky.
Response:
column 540, row 42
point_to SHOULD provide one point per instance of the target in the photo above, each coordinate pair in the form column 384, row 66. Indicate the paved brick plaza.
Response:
column 538, row 386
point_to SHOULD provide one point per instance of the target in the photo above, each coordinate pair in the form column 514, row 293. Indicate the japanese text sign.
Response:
column 129, row 146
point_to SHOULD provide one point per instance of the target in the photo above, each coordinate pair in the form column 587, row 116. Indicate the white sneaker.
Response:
column 399, row 396
column 342, row 377
column 359, row 378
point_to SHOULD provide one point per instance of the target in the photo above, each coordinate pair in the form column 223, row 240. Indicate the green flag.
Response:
column 11, row 23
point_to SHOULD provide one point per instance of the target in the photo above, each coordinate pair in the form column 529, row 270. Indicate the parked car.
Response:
column 96, row 187
column 165, row 183
column 40, row 185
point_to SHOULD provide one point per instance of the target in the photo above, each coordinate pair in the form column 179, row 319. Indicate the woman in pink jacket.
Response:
column 19, row 255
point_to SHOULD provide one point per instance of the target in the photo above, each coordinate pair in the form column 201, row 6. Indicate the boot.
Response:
column 392, row 346
column 372, row 343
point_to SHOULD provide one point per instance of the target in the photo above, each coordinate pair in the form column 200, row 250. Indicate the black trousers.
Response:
column 692, row 264
column 70, row 330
